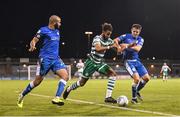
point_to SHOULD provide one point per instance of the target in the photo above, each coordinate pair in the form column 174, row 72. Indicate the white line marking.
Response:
column 109, row 106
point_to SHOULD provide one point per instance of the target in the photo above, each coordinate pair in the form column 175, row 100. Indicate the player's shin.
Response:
column 141, row 84
column 28, row 88
column 74, row 86
column 110, row 86
column 134, row 91
column 60, row 89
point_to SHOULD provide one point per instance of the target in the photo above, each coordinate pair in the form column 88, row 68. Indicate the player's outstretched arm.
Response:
column 124, row 46
column 161, row 70
column 33, row 44
column 169, row 68
column 119, row 47
column 99, row 48
column 116, row 40
column 136, row 45
column 136, row 48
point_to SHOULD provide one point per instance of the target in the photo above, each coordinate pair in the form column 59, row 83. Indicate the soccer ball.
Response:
column 122, row 100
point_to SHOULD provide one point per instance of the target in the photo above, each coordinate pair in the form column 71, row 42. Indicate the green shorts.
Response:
column 165, row 73
column 91, row 66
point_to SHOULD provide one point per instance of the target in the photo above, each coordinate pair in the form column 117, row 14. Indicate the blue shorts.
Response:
column 46, row 64
column 135, row 66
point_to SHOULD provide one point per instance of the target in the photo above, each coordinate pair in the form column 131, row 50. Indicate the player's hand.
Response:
column 31, row 49
column 124, row 46
column 133, row 44
column 114, row 45
column 32, row 46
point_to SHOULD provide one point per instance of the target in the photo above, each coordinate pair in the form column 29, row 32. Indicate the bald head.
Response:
column 54, row 22
column 54, row 19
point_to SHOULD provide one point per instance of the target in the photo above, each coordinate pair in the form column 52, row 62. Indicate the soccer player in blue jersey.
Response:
column 133, row 44
column 48, row 58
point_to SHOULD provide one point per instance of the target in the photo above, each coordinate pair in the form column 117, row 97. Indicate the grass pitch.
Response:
column 159, row 96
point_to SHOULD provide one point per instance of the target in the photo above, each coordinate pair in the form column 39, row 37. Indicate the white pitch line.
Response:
column 109, row 106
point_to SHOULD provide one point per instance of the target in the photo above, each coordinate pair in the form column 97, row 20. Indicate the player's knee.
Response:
column 82, row 84
column 147, row 78
column 66, row 78
column 113, row 73
column 136, row 79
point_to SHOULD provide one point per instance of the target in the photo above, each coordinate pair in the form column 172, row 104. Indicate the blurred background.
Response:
column 20, row 20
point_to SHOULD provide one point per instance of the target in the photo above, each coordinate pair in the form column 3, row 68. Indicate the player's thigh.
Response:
column 43, row 67
column 142, row 71
column 90, row 68
column 106, row 70
column 136, row 78
column 60, row 69
column 62, row 73
column 130, row 67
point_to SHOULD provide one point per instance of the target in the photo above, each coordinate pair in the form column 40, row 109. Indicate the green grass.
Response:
column 158, row 96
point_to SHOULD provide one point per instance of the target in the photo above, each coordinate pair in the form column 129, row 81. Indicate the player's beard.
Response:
column 105, row 38
column 56, row 26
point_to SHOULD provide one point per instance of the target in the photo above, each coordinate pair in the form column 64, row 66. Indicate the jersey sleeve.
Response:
column 140, row 42
column 162, row 68
column 111, row 42
column 39, row 33
column 96, row 40
column 122, row 37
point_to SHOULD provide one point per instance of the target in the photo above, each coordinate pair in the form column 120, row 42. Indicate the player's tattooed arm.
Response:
column 33, row 44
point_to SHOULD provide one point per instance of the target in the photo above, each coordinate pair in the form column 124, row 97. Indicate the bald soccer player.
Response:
column 48, row 59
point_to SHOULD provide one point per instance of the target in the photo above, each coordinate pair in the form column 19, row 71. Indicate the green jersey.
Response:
column 97, row 56
column 165, row 69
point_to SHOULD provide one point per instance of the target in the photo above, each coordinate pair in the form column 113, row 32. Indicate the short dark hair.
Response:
column 137, row 26
column 107, row 27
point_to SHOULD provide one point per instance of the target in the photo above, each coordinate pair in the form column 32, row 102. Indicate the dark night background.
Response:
column 160, row 19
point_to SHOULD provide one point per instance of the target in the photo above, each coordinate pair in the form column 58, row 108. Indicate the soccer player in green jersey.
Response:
column 94, row 62
column 164, row 70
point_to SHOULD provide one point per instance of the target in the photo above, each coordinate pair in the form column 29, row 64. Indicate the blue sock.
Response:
column 134, row 91
column 61, row 86
column 142, row 83
column 28, row 88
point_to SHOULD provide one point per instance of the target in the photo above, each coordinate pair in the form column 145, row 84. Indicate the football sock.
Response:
column 61, row 86
column 28, row 88
column 141, row 84
column 74, row 86
column 134, row 91
column 110, row 86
